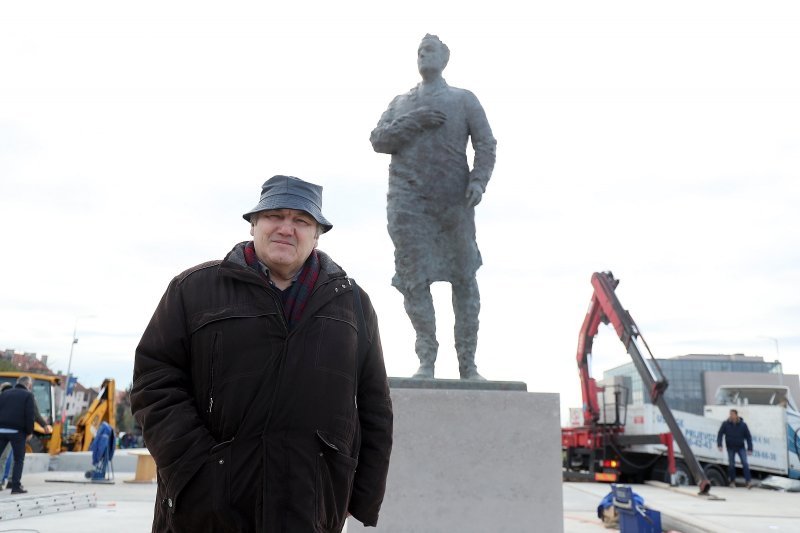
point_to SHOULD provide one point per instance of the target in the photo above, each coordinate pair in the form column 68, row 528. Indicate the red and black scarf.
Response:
column 297, row 295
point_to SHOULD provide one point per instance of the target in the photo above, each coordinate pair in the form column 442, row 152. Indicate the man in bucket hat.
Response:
column 260, row 384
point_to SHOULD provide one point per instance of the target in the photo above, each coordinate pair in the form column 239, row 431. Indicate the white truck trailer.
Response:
column 770, row 413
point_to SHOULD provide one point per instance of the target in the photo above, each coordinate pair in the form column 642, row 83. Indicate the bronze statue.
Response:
column 431, row 201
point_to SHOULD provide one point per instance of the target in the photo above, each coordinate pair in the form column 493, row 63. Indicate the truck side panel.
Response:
column 767, row 428
column 793, row 443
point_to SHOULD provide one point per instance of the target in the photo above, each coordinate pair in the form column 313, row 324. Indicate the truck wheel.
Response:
column 715, row 475
column 683, row 475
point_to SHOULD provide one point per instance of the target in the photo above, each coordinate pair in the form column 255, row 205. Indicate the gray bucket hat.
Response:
column 288, row 192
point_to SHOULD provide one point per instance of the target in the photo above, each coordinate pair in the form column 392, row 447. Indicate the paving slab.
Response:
column 121, row 507
column 124, row 461
column 580, row 510
column 128, row 508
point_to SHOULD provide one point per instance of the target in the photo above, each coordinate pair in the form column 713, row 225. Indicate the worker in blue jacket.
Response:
column 736, row 434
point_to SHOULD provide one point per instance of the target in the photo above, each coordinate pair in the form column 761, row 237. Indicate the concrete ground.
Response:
column 735, row 510
column 128, row 508
column 121, row 507
column 580, row 509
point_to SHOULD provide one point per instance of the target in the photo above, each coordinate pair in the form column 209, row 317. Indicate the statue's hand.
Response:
column 428, row 118
column 474, row 194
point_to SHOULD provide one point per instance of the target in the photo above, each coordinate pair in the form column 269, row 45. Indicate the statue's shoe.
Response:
column 472, row 375
column 425, row 372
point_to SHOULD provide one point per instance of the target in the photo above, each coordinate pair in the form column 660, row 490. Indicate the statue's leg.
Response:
column 419, row 307
column 466, row 306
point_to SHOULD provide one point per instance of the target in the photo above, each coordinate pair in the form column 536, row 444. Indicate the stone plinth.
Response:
column 459, row 384
column 470, row 460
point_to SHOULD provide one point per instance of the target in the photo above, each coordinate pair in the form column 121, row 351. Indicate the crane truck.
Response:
column 596, row 450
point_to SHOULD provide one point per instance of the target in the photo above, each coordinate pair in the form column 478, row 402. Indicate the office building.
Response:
column 694, row 379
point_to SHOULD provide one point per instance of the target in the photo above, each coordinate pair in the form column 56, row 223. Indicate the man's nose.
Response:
column 286, row 227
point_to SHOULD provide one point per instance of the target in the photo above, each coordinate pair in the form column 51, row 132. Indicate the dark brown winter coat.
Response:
column 254, row 427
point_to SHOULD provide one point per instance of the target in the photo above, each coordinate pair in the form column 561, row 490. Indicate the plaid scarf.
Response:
column 297, row 295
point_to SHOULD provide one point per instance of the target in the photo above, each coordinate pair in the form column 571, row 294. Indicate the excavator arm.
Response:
column 606, row 308
column 101, row 410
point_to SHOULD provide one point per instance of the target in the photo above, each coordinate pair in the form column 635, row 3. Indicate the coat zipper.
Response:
column 279, row 305
column 214, row 347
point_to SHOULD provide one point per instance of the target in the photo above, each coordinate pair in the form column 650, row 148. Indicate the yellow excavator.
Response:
column 102, row 409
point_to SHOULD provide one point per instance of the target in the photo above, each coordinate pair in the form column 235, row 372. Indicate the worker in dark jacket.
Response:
column 260, row 384
column 736, row 435
column 16, row 425
column 7, row 457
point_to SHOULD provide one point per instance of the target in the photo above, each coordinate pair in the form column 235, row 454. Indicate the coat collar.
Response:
column 332, row 281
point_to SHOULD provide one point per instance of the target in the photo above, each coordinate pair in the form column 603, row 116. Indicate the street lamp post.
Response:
column 69, row 370
column 69, row 373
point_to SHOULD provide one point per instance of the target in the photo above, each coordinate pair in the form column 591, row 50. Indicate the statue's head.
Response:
column 432, row 56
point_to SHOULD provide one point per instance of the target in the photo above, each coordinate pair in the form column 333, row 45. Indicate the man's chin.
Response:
column 428, row 70
column 282, row 260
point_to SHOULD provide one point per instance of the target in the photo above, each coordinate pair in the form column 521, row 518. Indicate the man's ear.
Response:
column 252, row 229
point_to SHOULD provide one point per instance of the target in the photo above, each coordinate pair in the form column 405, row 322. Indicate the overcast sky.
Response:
column 658, row 141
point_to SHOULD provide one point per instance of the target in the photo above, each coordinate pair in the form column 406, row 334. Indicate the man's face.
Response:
column 430, row 58
column 284, row 238
column 733, row 417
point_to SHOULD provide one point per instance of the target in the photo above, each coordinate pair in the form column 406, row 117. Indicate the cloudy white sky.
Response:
column 658, row 141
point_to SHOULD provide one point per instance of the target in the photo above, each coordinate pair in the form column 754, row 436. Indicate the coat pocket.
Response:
column 204, row 503
column 337, row 344
column 334, row 483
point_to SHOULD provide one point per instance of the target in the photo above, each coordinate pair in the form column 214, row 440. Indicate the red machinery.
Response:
column 596, row 449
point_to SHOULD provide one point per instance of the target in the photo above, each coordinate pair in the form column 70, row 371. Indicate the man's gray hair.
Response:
column 25, row 380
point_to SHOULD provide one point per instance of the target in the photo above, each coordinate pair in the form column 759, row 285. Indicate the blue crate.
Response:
column 634, row 517
column 634, row 522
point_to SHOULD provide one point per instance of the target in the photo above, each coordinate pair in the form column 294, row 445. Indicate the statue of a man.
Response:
column 431, row 201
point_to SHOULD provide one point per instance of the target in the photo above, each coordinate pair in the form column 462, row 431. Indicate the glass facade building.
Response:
column 685, row 377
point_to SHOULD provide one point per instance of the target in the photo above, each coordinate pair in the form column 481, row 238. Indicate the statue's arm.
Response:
column 393, row 131
column 483, row 142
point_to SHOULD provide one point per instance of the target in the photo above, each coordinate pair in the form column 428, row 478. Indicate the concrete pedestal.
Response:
column 473, row 461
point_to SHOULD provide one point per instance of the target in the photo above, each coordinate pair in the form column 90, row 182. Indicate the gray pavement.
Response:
column 121, row 507
column 128, row 508
column 734, row 510
column 580, row 509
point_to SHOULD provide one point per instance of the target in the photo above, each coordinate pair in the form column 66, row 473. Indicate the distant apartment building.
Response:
column 78, row 400
column 694, row 378
column 27, row 362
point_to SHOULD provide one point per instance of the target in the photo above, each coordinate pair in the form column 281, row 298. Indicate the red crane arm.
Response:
column 605, row 308
column 591, row 324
